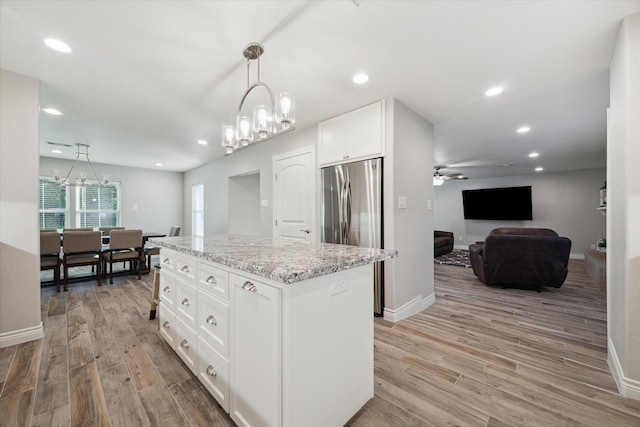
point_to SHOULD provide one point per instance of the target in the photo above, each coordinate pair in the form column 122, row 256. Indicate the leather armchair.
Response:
column 442, row 242
column 526, row 258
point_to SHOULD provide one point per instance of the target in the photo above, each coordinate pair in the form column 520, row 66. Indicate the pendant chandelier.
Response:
column 268, row 121
column 82, row 179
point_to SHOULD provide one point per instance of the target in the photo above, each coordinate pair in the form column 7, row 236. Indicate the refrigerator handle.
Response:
column 348, row 212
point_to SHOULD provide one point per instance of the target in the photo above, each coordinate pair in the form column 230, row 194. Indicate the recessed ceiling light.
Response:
column 56, row 151
column 360, row 78
column 57, row 45
column 493, row 91
column 533, row 155
column 159, row 164
column 539, row 169
column 202, row 142
column 52, row 111
column 523, row 129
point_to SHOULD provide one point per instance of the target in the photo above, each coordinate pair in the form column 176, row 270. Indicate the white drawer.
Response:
column 167, row 289
column 213, row 280
column 167, row 260
column 186, row 345
column 213, row 323
column 186, row 268
column 213, row 372
column 167, row 324
column 186, row 303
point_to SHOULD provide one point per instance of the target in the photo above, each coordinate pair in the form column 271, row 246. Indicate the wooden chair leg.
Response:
column 111, row 272
column 154, row 296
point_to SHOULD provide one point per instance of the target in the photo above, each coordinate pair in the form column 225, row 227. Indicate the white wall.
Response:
column 244, row 204
column 19, row 235
column 408, row 165
column 255, row 159
column 623, row 214
column 157, row 195
column 564, row 201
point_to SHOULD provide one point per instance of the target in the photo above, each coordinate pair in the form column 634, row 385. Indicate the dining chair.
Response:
column 81, row 248
column 124, row 245
column 150, row 249
column 106, row 233
column 50, row 254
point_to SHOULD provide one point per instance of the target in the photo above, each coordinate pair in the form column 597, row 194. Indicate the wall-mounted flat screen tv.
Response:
column 508, row 204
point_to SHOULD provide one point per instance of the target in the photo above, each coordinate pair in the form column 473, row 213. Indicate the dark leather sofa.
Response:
column 442, row 242
column 525, row 258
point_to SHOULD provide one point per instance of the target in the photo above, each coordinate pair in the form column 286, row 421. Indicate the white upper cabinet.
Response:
column 356, row 135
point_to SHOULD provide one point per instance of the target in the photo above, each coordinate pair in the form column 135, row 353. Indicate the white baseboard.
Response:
column 414, row 306
column 575, row 255
column 23, row 335
column 626, row 386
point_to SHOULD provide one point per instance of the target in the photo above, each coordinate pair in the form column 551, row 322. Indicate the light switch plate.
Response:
column 402, row 202
column 264, row 203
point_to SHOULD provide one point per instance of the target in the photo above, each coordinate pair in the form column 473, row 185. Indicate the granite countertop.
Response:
column 281, row 260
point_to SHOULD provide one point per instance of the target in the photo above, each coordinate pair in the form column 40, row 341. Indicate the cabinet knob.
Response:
column 184, row 344
column 212, row 280
column 166, row 324
column 212, row 320
column 186, row 302
column 249, row 286
column 166, row 289
column 185, row 269
column 211, row 371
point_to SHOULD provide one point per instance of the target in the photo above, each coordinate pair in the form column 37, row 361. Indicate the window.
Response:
column 54, row 205
column 197, row 210
column 98, row 206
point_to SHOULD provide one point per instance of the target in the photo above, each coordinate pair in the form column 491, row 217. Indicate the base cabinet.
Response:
column 273, row 354
column 256, row 369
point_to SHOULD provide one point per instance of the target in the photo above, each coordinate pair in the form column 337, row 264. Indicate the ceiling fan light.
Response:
column 437, row 180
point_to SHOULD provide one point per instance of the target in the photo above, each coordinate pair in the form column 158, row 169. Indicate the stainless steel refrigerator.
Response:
column 351, row 211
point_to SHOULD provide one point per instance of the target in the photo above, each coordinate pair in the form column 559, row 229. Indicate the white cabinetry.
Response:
column 256, row 369
column 356, row 135
column 272, row 354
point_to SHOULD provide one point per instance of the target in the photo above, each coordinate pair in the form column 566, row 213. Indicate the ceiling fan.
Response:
column 439, row 178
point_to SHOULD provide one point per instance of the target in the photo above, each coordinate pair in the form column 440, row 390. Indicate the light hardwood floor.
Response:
column 480, row 356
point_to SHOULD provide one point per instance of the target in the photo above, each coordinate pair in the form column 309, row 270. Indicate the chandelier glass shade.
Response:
column 267, row 121
column 82, row 179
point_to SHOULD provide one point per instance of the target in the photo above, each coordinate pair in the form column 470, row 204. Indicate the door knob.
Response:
column 306, row 231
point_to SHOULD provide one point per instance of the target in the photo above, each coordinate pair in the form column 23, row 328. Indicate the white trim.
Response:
column 628, row 387
column 22, row 335
column 576, row 255
column 412, row 307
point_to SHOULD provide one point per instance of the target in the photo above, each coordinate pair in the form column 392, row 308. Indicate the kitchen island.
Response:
column 279, row 332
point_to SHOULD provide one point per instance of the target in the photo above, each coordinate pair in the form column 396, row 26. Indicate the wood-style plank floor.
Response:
column 480, row 356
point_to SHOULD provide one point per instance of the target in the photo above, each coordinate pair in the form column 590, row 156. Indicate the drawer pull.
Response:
column 166, row 324
column 167, row 289
column 212, row 320
column 185, row 269
column 249, row 286
column 211, row 371
column 212, row 280
column 186, row 302
column 184, row 344
column 167, row 261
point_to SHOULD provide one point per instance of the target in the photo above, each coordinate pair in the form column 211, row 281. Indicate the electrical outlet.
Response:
column 459, row 237
column 338, row 285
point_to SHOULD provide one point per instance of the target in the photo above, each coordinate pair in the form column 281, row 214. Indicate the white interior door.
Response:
column 294, row 195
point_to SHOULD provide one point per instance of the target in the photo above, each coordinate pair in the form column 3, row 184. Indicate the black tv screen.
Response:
column 509, row 203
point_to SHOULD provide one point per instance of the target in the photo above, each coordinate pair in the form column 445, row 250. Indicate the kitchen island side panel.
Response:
column 328, row 342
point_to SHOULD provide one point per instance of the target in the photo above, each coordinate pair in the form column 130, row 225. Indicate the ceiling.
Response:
column 145, row 80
